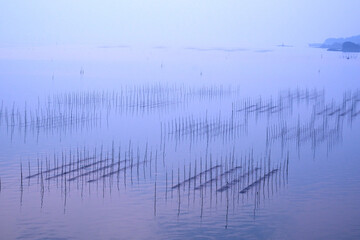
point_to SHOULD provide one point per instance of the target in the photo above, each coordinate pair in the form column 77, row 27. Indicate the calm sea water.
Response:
column 164, row 143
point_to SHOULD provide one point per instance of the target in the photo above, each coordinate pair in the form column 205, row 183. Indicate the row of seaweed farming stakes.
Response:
column 260, row 107
column 143, row 98
column 233, row 176
column 301, row 95
column 47, row 118
column 325, row 124
column 347, row 108
column 282, row 105
column 209, row 128
column 84, row 167
column 304, row 133
column 214, row 92
column 64, row 108
column 217, row 172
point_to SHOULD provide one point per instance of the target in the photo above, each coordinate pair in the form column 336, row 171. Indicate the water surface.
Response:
column 163, row 143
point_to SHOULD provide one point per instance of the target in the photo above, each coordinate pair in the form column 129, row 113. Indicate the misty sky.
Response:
column 176, row 23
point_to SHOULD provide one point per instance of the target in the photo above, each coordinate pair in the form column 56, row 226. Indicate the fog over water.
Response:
column 178, row 120
column 176, row 23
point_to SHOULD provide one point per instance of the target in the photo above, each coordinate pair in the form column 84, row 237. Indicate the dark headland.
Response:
column 349, row 44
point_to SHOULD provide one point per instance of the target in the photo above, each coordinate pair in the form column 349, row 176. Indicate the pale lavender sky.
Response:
column 176, row 23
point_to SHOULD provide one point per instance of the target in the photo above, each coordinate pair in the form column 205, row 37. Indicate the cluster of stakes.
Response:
column 234, row 175
column 74, row 111
column 82, row 168
column 325, row 123
column 71, row 108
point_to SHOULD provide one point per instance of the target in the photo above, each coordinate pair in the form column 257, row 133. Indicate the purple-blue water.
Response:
column 164, row 143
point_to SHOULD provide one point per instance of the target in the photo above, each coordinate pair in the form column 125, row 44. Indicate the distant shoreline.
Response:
column 349, row 44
